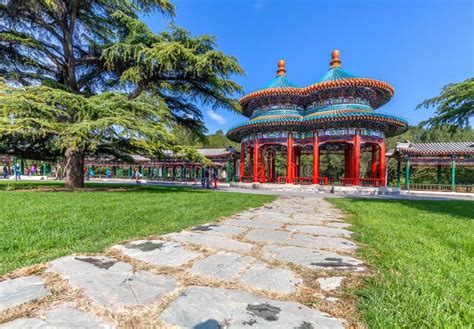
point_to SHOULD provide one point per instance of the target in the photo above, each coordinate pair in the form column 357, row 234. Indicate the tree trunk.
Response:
column 74, row 169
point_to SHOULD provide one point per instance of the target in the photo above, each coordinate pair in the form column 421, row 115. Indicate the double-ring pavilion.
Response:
column 334, row 115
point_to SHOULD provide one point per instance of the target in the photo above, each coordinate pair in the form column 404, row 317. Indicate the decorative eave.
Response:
column 271, row 92
column 390, row 124
column 355, row 82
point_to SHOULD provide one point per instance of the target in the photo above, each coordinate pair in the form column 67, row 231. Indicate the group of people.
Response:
column 32, row 170
column 13, row 170
column 211, row 176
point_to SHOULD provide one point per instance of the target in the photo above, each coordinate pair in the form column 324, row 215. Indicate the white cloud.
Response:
column 216, row 117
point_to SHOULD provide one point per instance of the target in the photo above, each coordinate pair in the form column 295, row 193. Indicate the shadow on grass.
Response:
column 462, row 209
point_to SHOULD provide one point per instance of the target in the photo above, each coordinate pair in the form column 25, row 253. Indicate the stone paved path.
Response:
column 279, row 266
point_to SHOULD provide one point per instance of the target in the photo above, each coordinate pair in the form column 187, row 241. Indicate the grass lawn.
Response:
column 423, row 254
column 37, row 226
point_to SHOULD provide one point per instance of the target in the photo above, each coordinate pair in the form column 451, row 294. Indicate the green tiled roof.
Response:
column 280, row 81
column 336, row 73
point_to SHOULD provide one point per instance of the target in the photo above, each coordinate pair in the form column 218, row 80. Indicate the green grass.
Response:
column 422, row 252
column 37, row 226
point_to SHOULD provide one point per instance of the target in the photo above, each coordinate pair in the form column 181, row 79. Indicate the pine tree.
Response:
column 454, row 106
column 88, row 78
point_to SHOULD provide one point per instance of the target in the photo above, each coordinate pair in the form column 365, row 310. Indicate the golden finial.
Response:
column 336, row 60
column 281, row 68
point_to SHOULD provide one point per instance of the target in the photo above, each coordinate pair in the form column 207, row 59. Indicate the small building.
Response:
column 436, row 155
column 170, row 166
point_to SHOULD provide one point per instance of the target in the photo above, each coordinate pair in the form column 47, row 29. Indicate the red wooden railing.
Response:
column 303, row 180
column 371, row 182
column 348, row 181
column 376, row 182
column 246, row 179
column 323, row 181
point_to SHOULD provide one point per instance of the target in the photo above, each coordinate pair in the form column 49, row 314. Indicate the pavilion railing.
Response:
column 441, row 188
column 246, row 179
column 303, row 180
column 323, row 180
column 348, row 181
column 333, row 182
column 281, row 179
column 376, row 182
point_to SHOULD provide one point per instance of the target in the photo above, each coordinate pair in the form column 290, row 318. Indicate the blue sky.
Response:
column 416, row 45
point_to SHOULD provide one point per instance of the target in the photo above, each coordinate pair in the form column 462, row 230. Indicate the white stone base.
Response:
column 435, row 193
column 360, row 190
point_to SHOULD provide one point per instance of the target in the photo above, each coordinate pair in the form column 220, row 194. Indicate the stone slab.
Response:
column 319, row 230
column 321, row 242
column 158, row 252
column 268, row 236
column 15, row 292
column 332, row 283
column 211, row 241
column 63, row 316
column 219, row 229
column 214, row 308
column 300, row 240
column 254, row 223
column 224, row 266
column 277, row 280
column 274, row 215
column 312, row 258
column 112, row 283
column 338, row 224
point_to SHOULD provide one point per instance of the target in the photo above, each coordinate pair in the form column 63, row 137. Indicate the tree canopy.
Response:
column 454, row 106
column 88, row 78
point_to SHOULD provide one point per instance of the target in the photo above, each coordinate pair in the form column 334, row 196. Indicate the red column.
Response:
column 242, row 161
column 289, row 159
column 382, row 168
column 293, row 161
column 255, row 160
column 251, row 161
column 374, row 162
column 261, row 165
column 297, row 162
column 356, row 168
column 269, row 168
column 273, row 169
column 315, row 160
column 348, row 161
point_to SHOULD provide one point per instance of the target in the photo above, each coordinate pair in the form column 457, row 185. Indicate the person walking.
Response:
column 5, row 172
column 224, row 175
column 215, row 176
column 138, row 175
column 57, row 170
column 203, row 178
column 206, row 178
column 17, row 172
column 33, row 170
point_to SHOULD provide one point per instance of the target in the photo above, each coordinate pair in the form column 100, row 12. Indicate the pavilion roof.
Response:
column 336, row 73
column 434, row 149
column 215, row 152
column 281, row 81
column 335, row 83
